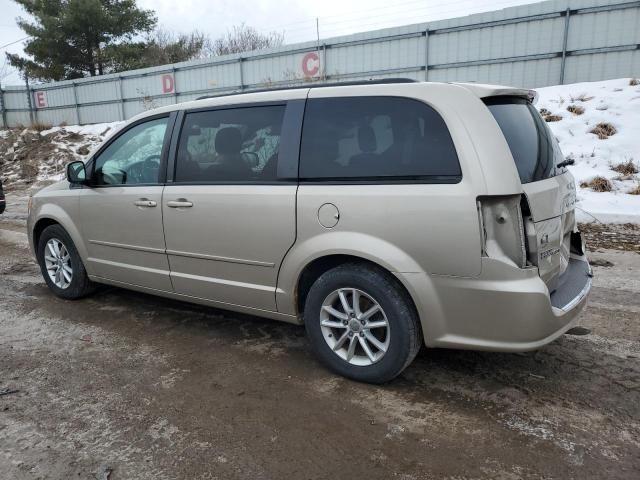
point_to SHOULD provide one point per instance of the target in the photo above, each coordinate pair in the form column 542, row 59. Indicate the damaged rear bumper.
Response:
column 505, row 308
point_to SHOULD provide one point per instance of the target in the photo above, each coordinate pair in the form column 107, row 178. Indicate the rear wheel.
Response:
column 361, row 323
column 61, row 265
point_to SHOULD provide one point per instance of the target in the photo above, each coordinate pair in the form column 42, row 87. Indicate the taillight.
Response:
column 502, row 229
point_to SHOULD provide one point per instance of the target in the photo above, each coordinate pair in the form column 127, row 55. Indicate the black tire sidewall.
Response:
column 397, row 307
column 79, row 280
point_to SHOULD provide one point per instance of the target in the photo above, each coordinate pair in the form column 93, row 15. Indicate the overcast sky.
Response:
column 295, row 18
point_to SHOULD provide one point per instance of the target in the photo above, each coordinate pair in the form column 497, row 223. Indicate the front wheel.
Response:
column 61, row 264
column 361, row 323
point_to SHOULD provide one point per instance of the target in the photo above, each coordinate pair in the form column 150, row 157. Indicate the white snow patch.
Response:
column 96, row 129
column 612, row 101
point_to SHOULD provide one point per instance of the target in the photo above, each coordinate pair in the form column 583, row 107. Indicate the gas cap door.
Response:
column 328, row 215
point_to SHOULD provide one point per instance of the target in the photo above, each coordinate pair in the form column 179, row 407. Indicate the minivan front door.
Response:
column 121, row 212
column 229, row 215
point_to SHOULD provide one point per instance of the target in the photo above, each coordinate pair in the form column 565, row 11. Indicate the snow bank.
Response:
column 615, row 102
column 96, row 129
column 28, row 156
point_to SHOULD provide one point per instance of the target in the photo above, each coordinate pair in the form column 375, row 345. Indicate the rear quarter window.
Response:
column 376, row 138
column 532, row 144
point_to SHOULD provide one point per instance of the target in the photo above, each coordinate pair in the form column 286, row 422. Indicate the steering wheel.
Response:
column 111, row 179
column 145, row 171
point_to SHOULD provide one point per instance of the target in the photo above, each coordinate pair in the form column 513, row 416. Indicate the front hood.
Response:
column 60, row 185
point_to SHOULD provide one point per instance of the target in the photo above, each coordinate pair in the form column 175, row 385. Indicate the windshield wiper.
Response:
column 568, row 161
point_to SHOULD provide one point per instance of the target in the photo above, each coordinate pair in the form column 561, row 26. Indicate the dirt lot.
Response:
column 124, row 385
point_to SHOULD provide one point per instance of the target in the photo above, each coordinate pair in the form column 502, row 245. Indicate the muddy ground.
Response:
column 124, row 385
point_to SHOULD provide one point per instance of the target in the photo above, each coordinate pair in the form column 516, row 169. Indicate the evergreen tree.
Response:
column 78, row 38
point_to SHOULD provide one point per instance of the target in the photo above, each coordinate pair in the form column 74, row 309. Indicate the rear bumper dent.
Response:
column 505, row 309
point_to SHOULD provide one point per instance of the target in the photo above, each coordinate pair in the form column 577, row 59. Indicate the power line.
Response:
column 13, row 43
column 346, row 26
column 360, row 15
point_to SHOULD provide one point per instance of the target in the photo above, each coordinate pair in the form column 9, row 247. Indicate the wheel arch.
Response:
column 51, row 214
column 39, row 227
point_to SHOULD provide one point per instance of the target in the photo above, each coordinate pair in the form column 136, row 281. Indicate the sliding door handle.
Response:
column 180, row 203
column 143, row 202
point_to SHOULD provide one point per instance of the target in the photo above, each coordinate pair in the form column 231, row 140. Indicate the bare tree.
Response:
column 242, row 38
column 164, row 46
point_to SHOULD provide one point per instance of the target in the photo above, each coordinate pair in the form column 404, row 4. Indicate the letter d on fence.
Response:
column 168, row 83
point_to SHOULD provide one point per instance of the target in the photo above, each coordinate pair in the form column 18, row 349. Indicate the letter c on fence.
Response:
column 167, row 83
column 310, row 64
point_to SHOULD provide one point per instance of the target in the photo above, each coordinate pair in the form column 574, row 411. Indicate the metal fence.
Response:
column 548, row 43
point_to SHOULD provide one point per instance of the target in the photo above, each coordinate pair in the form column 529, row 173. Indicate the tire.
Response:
column 367, row 286
column 78, row 285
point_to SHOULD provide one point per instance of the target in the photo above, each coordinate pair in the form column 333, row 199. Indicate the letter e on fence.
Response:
column 168, row 84
column 311, row 64
column 41, row 99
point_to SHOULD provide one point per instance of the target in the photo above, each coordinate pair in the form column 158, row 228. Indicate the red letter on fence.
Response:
column 41, row 99
column 311, row 64
column 167, row 83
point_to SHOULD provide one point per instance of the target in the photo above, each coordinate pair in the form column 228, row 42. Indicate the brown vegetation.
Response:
column 603, row 130
column 41, row 126
column 626, row 168
column 552, row 118
column 598, row 184
column 575, row 109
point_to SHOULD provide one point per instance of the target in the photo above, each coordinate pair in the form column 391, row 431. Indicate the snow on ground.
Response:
column 616, row 102
column 28, row 156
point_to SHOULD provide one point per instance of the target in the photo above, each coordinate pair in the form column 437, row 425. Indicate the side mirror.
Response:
column 76, row 173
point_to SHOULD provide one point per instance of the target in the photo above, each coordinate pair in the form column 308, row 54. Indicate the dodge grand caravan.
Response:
column 380, row 215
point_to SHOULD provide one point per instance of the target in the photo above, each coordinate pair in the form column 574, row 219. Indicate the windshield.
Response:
column 533, row 146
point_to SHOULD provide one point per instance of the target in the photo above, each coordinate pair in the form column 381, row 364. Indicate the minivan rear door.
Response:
column 229, row 208
column 549, row 190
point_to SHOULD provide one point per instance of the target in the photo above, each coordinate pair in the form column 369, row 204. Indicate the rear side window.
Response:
column 230, row 145
column 376, row 138
column 532, row 144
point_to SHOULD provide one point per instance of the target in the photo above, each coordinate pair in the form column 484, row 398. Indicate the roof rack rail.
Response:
column 315, row 85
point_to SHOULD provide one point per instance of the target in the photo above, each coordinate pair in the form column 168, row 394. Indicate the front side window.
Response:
column 230, row 145
column 376, row 138
column 134, row 157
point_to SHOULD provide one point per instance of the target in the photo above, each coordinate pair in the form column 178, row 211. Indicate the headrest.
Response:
column 228, row 140
column 367, row 139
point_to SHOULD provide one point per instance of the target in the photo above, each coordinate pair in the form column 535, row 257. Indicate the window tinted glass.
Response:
column 234, row 145
column 533, row 146
column 133, row 157
column 374, row 137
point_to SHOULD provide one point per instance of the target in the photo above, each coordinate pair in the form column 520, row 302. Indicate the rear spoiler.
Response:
column 484, row 91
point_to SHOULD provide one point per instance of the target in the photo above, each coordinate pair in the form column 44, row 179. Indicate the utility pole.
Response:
column 318, row 44
column 29, row 100
column 3, row 109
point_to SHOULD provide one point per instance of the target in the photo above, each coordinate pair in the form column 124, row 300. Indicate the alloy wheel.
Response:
column 355, row 326
column 58, row 263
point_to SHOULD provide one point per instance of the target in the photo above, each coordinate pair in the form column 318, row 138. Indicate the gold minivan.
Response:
column 381, row 215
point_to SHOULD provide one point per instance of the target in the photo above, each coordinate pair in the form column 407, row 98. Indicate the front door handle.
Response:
column 180, row 203
column 143, row 202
